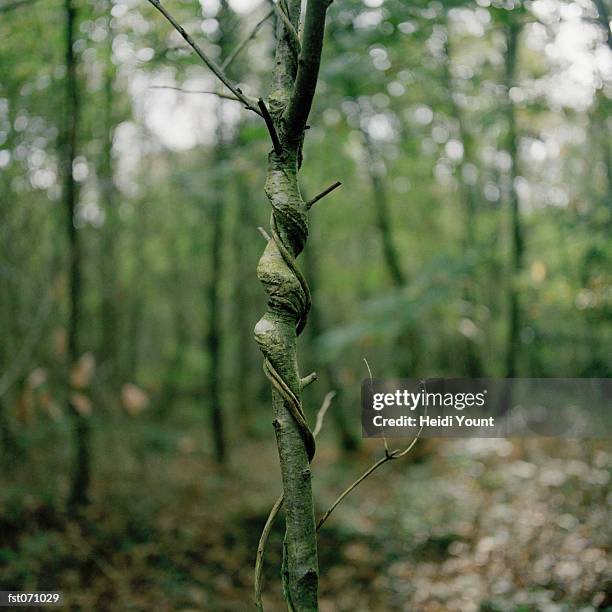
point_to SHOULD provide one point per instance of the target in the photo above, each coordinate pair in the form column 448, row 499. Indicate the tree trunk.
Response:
column 512, row 32
column 473, row 361
column 81, row 468
column 109, row 303
column 213, row 336
column 288, row 294
column 390, row 253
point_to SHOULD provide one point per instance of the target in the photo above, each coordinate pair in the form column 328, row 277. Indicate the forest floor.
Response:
column 472, row 525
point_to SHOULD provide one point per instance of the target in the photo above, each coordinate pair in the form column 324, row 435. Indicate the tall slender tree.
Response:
column 108, row 261
column 512, row 30
column 295, row 76
column 214, row 332
column 82, row 459
column 110, row 345
column 467, row 193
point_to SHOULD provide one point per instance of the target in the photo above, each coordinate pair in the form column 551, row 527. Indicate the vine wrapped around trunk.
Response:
column 276, row 334
column 295, row 75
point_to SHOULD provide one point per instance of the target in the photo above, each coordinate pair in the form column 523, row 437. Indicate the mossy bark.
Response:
column 276, row 336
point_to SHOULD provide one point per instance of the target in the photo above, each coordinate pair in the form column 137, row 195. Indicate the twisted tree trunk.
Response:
column 288, row 293
column 295, row 78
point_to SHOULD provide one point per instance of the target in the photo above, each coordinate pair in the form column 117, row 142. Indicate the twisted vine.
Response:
column 288, row 293
column 295, row 77
column 288, row 304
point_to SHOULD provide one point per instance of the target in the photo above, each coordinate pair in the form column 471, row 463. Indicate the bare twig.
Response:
column 232, row 56
column 310, row 378
column 197, row 91
column 216, row 69
column 327, row 400
column 389, row 456
column 371, row 389
column 265, row 234
column 262, row 547
column 277, row 506
column 265, row 113
column 323, row 194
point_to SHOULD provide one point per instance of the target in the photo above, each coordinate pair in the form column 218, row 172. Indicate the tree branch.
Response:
column 308, row 69
column 248, row 102
column 327, row 400
column 265, row 113
column 232, row 56
column 265, row 234
column 323, row 194
column 197, row 91
column 308, row 380
column 389, row 456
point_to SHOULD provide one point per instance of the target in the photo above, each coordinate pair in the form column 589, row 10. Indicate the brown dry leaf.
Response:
column 134, row 399
column 83, row 371
column 82, row 404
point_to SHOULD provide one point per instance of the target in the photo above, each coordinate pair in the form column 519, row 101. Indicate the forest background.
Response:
column 470, row 237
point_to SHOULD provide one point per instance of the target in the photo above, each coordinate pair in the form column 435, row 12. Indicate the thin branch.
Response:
column 265, row 234
column 265, row 113
column 371, row 390
column 322, row 412
column 232, row 56
column 197, row 91
column 347, row 491
column 248, row 103
column 323, row 194
column 389, row 456
column 307, row 380
column 308, row 69
column 261, row 547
